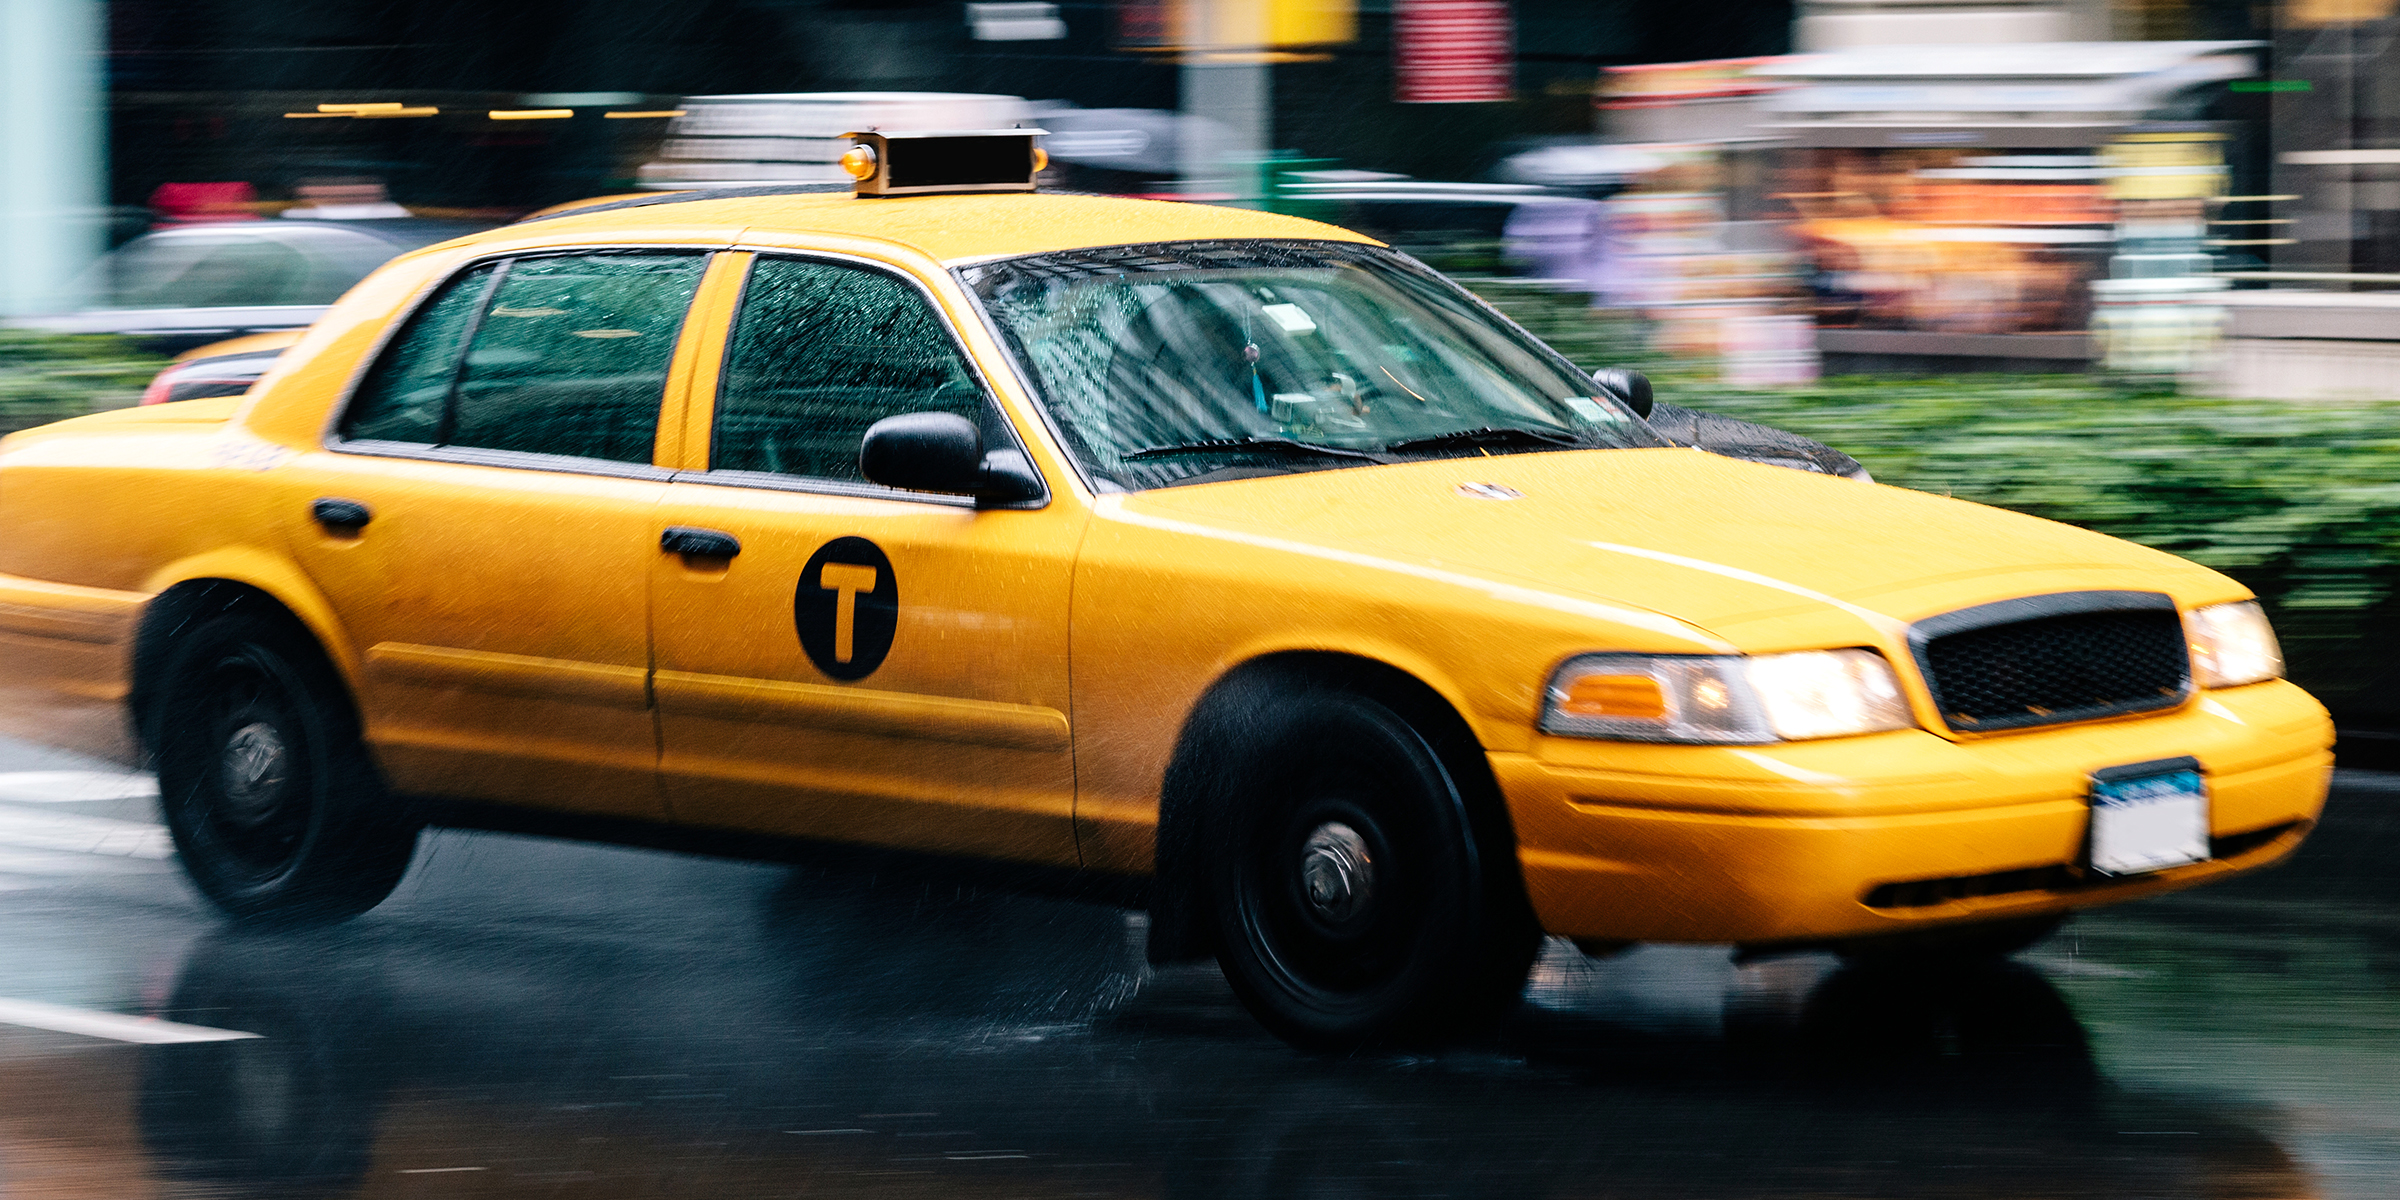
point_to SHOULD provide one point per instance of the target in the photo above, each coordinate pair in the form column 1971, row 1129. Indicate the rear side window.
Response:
column 571, row 355
column 820, row 352
column 564, row 355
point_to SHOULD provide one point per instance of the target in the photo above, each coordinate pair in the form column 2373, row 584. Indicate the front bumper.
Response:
column 1858, row 837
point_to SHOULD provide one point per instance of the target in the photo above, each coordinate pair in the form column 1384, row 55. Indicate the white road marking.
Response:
column 148, row 1031
column 41, row 846
column 35, row 830
column 439, row 1170
column 48, row 866
column 71, row 787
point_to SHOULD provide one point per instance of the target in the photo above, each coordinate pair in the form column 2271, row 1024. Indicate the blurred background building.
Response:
column 197, row 89
column 1879, row 184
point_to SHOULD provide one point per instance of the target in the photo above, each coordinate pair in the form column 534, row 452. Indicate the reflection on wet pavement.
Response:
column 535, row 1018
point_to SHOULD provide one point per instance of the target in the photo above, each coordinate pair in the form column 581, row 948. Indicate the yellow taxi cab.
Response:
column 1218, row 559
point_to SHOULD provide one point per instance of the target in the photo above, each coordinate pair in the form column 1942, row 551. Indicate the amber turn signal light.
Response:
column 1634, row 696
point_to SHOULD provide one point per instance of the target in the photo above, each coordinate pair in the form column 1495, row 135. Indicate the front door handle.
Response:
column 699, row 543
column 339, row 515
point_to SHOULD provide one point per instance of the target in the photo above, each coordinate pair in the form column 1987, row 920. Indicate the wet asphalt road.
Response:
column 536, row 1018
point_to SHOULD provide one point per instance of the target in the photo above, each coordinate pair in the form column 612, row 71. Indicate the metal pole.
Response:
column 53, row 134
column 1226, row 100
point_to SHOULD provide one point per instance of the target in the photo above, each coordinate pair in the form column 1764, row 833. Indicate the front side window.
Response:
column 820, row 352
column 1192, row 362
column 563, row 355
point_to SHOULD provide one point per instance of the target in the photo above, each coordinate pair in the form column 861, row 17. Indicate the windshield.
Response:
column 1195, row 362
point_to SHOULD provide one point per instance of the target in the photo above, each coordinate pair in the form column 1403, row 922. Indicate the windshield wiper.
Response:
column 1489, row 435
column 1243, row 444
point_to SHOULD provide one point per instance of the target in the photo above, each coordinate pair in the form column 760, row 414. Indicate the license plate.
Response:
column 2148, row 816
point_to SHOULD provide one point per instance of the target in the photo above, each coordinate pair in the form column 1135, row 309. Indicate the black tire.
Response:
column 1411, row 931
column 276, row 811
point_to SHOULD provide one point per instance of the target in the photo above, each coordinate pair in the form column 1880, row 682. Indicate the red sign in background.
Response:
column 1146, row 24
column 1453, row 51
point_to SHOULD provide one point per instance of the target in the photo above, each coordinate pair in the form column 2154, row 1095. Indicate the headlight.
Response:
column 1725, row 700
column 2232, row 644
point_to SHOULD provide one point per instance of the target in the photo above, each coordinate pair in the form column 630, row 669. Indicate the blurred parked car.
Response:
column 226, row 368
column 1533, row 229
column 176, row 289
column 229, row 367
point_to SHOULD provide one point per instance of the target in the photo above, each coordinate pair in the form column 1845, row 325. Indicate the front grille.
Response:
column 2053, row 659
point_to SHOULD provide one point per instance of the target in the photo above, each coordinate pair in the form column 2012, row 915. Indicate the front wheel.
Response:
column 1353, row 903
column 275, row 810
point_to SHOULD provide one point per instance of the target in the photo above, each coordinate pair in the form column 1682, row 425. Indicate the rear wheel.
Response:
column 275, row 810
column 1353, row 902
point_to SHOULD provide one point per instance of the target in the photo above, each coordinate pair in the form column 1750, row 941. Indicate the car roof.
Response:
column 949, row 228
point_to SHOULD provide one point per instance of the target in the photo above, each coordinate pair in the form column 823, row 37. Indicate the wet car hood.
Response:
column 1709, row 540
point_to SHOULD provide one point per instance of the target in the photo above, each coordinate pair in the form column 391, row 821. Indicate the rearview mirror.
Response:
column 1630, row 387
column 943, row 452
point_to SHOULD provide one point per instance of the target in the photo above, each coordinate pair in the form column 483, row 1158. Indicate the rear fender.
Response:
column 280, row 580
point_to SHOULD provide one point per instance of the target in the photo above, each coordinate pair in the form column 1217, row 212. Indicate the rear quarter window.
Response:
column 571, row 355
column 558, row 355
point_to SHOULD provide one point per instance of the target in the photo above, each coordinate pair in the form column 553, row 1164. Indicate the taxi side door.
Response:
column 482, row 519
column 841, row 660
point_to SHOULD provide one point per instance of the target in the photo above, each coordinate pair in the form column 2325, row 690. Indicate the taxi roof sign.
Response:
column 965, row 160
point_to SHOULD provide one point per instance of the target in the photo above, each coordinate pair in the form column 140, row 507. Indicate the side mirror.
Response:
column 943, row 452
column 1631, row 387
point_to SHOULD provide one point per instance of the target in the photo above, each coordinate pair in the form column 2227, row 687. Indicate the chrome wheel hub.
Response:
column 252, row 771
column 1336, row 873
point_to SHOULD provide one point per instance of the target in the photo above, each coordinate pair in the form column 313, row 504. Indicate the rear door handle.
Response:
column 347, row 516
column 699, row 543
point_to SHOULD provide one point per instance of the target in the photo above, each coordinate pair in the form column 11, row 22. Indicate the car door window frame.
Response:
column 520, row 459
column 993, row 417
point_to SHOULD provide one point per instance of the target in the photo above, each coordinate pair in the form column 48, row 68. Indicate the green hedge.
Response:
column 2304, row 495
column 46, row 377
column 2299, row 500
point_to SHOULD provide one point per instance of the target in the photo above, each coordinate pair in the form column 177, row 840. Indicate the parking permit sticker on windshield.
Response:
column 1289, row 318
